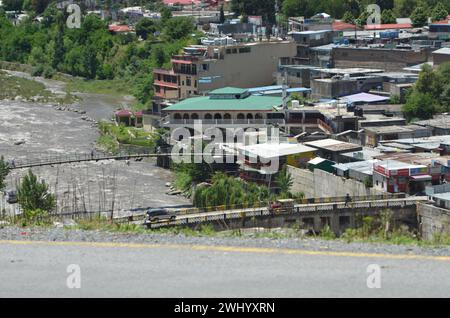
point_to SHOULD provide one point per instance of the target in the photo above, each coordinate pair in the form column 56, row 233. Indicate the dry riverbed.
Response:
column 32, row 130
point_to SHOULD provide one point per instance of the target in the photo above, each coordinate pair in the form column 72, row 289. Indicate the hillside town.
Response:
column 225, row 118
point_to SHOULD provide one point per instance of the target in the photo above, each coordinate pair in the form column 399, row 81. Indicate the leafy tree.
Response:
column 439, row 12
column 264, row 8
column 59, row 51
column 166, row 14
column 39, row 6
column 228, row 191
column 159, row 56
column 284, row 181
column 293, row 8
column 145, row 27
column 179, row 27
column 4, row 170
column 362, row 19
column 353, row 7
column 34, row 195
column 430, row 94
column 387, row 16
column 419, row 16
column 348, row 17
column 12, row 5
column 420, row 105
column 404, row 8
column 385, row 4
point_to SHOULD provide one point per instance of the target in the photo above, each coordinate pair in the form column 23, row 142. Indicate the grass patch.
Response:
column 29, row 90
column 112, row 135
column 115, row 87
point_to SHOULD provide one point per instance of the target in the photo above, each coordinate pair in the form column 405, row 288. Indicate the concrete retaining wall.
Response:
column 323, row 184
column 432, row 220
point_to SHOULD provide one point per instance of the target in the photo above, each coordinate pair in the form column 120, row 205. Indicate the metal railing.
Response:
column 299, row 208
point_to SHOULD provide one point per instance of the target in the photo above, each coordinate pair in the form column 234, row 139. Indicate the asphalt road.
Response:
column 39, row 269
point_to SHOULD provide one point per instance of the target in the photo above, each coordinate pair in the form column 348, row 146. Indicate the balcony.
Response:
column 166, row 84
column 222, row 123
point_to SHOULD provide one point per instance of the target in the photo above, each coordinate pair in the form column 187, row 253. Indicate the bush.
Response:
column 33, row 195
column 37, row 71
column 48, row 72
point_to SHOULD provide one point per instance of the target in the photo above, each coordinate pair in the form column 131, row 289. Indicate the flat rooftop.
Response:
column 274, row 150
column 349, row 70
column 393, row 129
column 395, row 165
column 333, row 145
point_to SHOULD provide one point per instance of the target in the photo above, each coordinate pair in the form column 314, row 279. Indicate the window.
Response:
column 245, row 50
column 205, row 67
column 188, row 81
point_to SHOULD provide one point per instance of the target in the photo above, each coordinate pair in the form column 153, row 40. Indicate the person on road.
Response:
column 348, row 199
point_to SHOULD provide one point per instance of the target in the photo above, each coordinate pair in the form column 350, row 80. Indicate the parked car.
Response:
column 11, row 196
column 159, row 214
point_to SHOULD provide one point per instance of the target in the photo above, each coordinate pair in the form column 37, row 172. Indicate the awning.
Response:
column 424, row 177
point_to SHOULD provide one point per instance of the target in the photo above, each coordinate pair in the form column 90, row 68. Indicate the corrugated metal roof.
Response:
column 274, row 150
column 365, row 97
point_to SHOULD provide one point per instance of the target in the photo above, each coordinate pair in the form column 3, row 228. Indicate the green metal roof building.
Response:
column 226, row 107
column 227, row 99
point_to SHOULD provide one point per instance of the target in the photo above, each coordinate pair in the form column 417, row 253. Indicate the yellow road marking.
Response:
column 236, row 249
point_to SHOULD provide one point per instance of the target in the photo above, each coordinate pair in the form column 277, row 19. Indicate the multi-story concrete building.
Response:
column 201, row 69
column 390, row 60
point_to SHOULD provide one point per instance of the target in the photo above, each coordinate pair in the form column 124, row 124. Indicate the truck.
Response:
column 282, row 206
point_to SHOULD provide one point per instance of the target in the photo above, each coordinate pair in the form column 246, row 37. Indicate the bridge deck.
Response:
column 299, row 208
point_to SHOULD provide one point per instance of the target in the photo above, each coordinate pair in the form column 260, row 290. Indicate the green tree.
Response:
column 419, row 16
column 39, row 6
column 12, row 5
column 385, row 4
column 264, row 8
column 439, row 12
column 429, row 95
column 228, row 191
column 166, row 14
column 284, row 182
column 179, row 27
column 348, row 17
column 4, row 170
column 145, row 27
column 353, row 7
column 34, row 195
column 404, row 8
column 420, row 105
column 58, row 56
column 292, row 8
column 388, row 16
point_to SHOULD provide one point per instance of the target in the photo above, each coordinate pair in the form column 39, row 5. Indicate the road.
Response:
column 39, row 269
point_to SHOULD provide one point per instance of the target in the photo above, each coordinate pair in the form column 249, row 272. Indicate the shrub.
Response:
column 37, row 71
column 48, row 72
